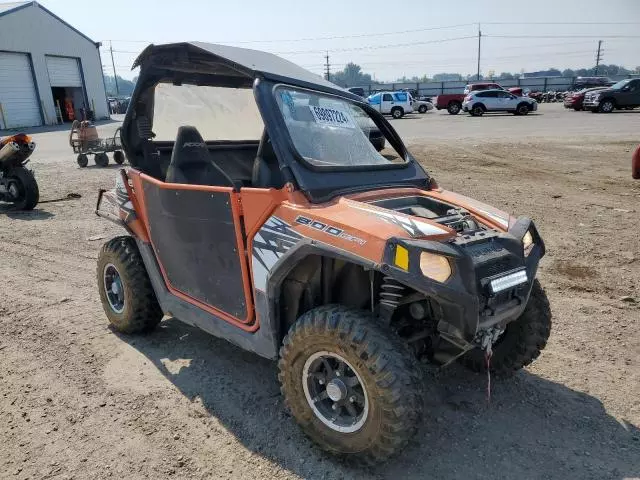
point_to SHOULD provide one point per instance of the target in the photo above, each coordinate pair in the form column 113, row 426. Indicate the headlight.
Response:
column 435, row 267
column 527, row 243
column 595, row 97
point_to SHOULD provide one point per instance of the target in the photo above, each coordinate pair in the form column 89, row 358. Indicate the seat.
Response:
column 191, row 162
column 266, row 171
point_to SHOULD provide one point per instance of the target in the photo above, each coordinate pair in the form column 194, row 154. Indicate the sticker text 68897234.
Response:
column 331, row 116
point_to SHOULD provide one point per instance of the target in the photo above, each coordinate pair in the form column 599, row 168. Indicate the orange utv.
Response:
column 258, row 210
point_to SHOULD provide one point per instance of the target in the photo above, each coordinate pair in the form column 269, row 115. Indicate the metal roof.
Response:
column 8, row 8
column 253, row 63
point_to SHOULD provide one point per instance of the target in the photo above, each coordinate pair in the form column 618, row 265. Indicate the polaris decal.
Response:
column 272, row 241
column 415, row 228
column 330, row 230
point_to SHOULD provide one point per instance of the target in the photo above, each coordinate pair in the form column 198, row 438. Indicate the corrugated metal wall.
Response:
column 33, row 30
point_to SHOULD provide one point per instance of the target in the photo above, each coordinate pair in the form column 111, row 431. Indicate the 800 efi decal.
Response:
column 329, row 229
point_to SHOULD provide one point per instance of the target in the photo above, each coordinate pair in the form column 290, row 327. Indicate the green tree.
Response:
column 351, row 76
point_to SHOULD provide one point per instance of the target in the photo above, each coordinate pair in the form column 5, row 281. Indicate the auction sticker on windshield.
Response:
column 331, row 116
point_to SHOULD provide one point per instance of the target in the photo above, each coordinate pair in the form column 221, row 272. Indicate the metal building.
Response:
column 49, row 71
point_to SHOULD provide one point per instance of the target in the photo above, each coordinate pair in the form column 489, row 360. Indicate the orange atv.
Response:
column 258, row 210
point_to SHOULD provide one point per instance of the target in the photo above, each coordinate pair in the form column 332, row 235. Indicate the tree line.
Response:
column 352, row 74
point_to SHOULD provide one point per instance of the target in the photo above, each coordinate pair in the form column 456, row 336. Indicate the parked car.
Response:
column 396, row 104
column 452, row 102
column 479, row 103
column 590, row 82
column 635, row 164
column 624, row 94
column 421, row 106
column 473, row 87
column 575, row 100
column 358, row 91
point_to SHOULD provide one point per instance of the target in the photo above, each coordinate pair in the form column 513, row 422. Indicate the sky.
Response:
column 412, row 37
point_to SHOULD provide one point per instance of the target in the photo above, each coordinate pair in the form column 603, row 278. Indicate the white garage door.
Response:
column 18, row 96
column 64, row 72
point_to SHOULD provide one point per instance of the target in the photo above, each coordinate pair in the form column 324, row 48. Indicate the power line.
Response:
column 563, row 36
column 372, row 47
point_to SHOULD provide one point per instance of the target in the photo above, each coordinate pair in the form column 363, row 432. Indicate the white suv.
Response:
column 395, row 104
column 480, row 102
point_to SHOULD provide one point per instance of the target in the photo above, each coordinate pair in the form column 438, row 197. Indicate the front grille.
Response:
column 495, row 268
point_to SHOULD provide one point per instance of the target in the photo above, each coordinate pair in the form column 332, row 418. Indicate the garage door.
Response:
column 64, row 72
column 18, row 96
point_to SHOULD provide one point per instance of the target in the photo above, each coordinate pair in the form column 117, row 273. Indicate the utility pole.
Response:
column 115, row 75
column 327, row 67
column 598, row 55
column 479, row 44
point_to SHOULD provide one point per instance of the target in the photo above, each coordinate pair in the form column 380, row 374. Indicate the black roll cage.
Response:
column 192, row 64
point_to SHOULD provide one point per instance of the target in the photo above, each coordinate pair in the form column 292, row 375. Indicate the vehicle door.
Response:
column 387, row 103
column 402, row 99
column 489, row 99
column 629, row 94
column 506, row 100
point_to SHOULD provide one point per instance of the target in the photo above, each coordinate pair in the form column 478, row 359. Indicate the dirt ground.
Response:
column 79, row 401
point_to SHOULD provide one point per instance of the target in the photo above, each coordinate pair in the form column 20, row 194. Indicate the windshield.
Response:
column 218, row 113
column 620, row 84
column 330, row 131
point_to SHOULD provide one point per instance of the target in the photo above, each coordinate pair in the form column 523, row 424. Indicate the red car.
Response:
column 574, row 100
column 635, row 164
column 452, row 102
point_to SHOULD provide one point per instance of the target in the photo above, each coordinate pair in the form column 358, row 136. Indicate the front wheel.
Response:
column 351, row 384
column 125, row 288
column 522, row 340
column 606, row 106
column 22, row 188
column 522, row 109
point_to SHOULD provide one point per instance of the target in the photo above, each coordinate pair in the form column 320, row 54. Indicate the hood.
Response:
column 363, row 223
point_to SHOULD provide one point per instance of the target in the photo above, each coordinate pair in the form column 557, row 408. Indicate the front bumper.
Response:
column 590, row 104
column 466, row 300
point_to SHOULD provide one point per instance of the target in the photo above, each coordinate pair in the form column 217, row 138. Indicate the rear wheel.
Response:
column 22, row 188
column 477, row 111
column 101, row 159
column 397, row 112
column 422, row 109
column 125, row 288
column 118, row 157
column 82, row 160
column 522, row 340
column 351, row 384
column 454, row 108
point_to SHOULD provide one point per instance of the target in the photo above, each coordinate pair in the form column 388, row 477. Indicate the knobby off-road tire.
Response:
column 28, row 193
column 388, row 371
column 522, row 340
column 137, row 309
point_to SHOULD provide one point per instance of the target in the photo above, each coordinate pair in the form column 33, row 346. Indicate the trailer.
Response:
column 84, row 141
